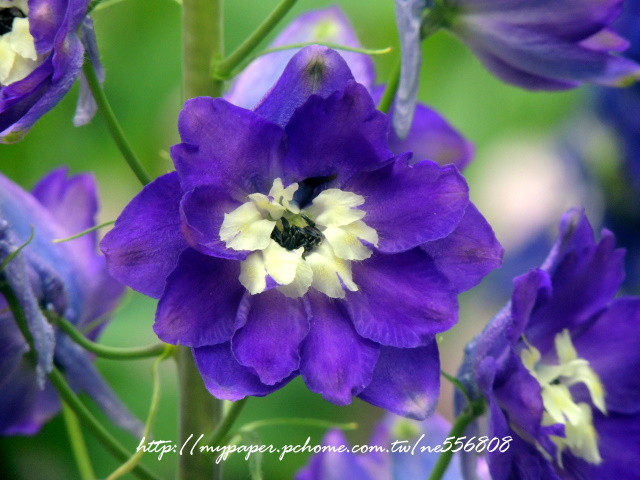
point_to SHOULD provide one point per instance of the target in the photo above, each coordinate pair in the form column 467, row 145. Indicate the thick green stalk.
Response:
column 199, row 411
column 224, row 68
column 473, row 411
column 112, row 123
column 202, row 45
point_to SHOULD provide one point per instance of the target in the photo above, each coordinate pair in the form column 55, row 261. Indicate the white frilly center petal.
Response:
column 560, row 407
column 18, row 56
column 299, row 249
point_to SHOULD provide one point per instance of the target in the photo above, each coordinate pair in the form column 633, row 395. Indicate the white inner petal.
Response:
column 18, row 56
column 299, row 249
column 560, row 407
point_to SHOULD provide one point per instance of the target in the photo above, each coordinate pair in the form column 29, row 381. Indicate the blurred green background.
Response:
column 140, row 47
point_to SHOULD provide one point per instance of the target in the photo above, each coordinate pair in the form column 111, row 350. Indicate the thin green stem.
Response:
column 227, row 422
column 153, row 408
column 68, row 395
column 292, row 46
column 473, row 411
column 390, row 90
column 458, row 384
column 84, row 232
column 78, row 445
column 226, row 66
column 113, row 353
column 97, row 429
column 112, row 123
column 15, row 253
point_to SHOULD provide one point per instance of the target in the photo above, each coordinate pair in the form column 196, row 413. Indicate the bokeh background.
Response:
column 527, row 170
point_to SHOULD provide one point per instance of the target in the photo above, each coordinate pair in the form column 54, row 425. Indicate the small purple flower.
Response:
column 558, row 365
column 67, row 278
column 290, row 241
column 533, row 44
column 387, row 461
column 41, row 54
column 430, row 136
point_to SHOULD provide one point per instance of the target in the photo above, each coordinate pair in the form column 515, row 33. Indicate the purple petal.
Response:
column 431, row 137
column 402, row 301
column 200, row 302
column 409, row 205
column 313, row 70
column 227, row 146
column 333, row 465
column 202, row 210
column 87, row 107
column 610, row 344
column 145, row 243
column 406, row 381
column 318, row 149
column 225, row 378
column 45, row 20
column 469, row 253
column 269, row 341
column 336, row 361
column 24, row 406
column 328, row 25
column 408, row 17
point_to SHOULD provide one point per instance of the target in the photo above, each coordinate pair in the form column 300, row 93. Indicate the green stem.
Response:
column 112, row 123
column 199, row 412
column 78, row 446
column 84, row 232
column 113, row 353
column 390, row 90
column 202, row 45
column 67, row 394
column 97, row 429
column 226, row 66
column 227, row 422
column 473, row 411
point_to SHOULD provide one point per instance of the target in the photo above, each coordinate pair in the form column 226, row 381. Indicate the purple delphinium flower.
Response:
column 430, row 137
column 290, row 241
column 558, row 366
column 69, row 279
column 533, row 44
column 41, row 54
column 386, row 461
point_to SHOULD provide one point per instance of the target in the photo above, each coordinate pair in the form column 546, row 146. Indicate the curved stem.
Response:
column 227, row 422
column 473, row 411
column 78, row 446
column 113, row 353
column 67, row 395
column 112, row 123
column 226, row 66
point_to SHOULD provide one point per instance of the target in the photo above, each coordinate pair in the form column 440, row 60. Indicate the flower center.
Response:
column 293, row 237
column 6, row 18
column 299, row 249
column 18, row 56
column 560, row 407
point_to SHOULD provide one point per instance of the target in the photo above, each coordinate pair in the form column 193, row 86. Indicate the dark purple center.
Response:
column 6, row 18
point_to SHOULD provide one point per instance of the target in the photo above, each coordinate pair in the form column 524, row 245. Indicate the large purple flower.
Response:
column 558, row 366
column 41, row 54
column 387, row 461
column 533, row 44
column 290, row 241
column 430, row 136
column 67, row 278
